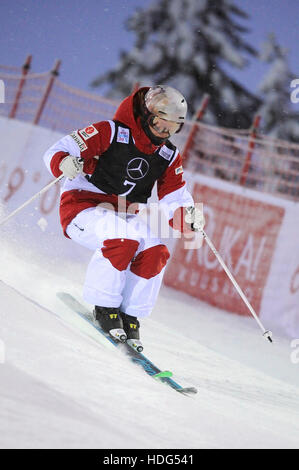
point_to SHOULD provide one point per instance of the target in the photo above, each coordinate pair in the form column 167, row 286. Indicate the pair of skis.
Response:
column 136, row 357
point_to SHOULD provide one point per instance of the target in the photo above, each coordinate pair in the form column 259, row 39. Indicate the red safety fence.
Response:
column 43, row 99
column 258, row 162
column 242, row 157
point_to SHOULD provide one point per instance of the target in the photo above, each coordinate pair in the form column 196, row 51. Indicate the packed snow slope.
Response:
column 62, row 388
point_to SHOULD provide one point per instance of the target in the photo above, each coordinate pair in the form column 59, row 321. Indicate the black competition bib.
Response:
column 126, row 171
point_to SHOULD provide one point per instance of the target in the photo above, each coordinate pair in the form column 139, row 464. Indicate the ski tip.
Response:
column 61, row 295
column 188, row 390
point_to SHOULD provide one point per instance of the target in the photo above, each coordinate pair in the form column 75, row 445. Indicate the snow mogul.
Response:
column 110, row 168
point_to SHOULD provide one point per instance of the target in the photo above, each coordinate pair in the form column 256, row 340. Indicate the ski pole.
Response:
column 31, row 199
column 266, row 333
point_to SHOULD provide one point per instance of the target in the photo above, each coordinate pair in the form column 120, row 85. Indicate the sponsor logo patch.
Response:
column 88, row 132
column 165, row 152
column 123, row 135
column 80, row 142
column 137, row 168
column 179, row 170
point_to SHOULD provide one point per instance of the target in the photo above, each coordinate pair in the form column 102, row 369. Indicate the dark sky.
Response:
column 88, row 36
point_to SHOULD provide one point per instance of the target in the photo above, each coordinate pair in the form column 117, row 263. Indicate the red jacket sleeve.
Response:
column 86, row 143
column 171, row 184
column 172, row 178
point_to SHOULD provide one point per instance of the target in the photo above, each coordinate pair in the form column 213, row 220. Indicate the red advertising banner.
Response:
column 244, row 231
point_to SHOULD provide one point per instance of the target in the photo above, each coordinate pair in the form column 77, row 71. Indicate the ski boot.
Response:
column 111, row 322
column 131, row 326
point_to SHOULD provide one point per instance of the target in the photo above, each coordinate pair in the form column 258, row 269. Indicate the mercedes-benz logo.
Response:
column 137, row 168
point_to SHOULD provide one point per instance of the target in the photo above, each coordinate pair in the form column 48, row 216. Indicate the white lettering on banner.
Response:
column 246, row 257
column 205, row 281
column 189, row 256
column 248, row 292
column 194, row 278
column 182, row 274
column 225, row 289
column 209, row 260
column 229, row 238
column 209, row 283
column 204, row 256
column 258, row 258
column 247, row 260
column 215, row 285
column 244, row 231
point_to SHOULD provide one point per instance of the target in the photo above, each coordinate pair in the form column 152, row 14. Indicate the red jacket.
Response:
column 89, row 143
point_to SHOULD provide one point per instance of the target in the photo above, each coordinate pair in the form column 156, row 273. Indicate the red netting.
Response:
column 69, row 108
column 29, row 94
column 222, row 153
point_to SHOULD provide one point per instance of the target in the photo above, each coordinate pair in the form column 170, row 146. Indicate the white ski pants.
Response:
column 128, row 263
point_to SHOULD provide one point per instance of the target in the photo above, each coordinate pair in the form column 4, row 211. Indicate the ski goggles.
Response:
column 164, row 127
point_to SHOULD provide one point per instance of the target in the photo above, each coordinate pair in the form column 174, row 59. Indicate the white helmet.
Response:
column 167, row 103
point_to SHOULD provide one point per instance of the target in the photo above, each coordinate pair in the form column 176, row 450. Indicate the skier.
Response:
column 110, row 168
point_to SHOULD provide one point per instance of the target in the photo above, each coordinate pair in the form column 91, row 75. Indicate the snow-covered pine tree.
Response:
column 184, row 43
column 278, row 119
